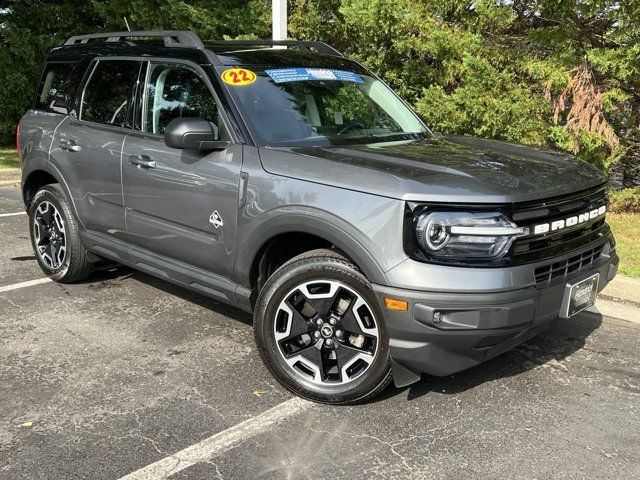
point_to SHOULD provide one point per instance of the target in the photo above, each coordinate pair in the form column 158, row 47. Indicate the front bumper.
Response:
column 475, row 325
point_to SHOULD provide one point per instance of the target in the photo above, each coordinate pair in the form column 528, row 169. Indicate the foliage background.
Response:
column 550, row 72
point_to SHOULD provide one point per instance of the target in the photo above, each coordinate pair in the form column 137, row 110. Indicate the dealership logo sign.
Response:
column 569, row 221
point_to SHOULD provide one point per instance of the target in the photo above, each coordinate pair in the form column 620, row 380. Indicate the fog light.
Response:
column 437, row 317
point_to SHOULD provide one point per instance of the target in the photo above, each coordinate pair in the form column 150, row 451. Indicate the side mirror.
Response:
column 191, row 132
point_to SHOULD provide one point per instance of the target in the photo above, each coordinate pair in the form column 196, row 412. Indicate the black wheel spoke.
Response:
column 53, row 251
column 47, row 217
column 316, row 356
column 358, row 320
column 345, row 354
column 349, row 322
column 298, row 326
column 320, row 306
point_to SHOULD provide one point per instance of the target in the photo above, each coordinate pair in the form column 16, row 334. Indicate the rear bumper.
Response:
column 475, row 326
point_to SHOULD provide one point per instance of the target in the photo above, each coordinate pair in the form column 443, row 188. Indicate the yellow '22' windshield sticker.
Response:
column 238, row 76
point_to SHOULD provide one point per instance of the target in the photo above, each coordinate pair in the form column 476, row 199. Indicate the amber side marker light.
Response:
column 395, row 304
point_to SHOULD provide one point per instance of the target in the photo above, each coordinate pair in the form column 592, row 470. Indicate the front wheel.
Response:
column 320, row 331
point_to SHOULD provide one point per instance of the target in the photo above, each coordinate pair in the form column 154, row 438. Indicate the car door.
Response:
column 180, row 203
column 88, row 149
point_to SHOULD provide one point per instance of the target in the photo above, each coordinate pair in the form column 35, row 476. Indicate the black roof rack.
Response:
column 188, row 39
column 172, row 38
column 319, row 47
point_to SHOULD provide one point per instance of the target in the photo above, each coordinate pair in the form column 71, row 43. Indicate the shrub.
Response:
column 626, row 200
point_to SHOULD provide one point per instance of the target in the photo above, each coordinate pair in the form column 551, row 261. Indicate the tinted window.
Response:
column 106, row 95
column 318, row 106
column 174, row 91
column 58, row 86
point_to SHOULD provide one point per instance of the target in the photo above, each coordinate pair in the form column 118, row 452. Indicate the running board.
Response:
column 178, row 273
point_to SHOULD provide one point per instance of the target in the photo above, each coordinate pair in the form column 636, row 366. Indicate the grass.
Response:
column 626, row 228
column 9, row 158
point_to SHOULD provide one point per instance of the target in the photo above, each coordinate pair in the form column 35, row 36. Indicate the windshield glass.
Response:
column 313, row 106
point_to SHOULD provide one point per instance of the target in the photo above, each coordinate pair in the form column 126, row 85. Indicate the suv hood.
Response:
column 438, row 169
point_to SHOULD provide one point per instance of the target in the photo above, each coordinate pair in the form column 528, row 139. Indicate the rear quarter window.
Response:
column 59, row 84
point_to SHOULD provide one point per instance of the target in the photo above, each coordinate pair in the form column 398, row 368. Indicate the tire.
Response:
column 320, row 331
column 54, row 237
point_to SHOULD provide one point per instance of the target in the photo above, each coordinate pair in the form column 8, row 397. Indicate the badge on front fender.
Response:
column 216, row 220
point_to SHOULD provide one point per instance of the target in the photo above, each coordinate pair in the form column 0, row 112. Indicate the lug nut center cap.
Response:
column 327, row 331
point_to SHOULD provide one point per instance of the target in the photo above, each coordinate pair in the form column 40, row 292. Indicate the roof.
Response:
column 283, row 58
column 187, row 45
column 124, row 48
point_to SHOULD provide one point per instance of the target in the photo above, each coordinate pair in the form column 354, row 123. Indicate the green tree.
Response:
column 556, row 72
column 29, row 29
column 551, row 72
column 586, row 54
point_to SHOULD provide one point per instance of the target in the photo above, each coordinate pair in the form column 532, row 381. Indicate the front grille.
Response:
column 534, row 248
column 546, row 273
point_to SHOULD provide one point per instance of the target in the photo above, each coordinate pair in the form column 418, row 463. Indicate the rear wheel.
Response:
column 54, row 236
column 320, row 332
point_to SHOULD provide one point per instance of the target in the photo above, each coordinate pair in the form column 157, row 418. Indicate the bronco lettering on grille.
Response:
column 569, row 221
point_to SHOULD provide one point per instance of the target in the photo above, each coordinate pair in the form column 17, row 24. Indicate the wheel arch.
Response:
column 34, row 181
column 41, row 174
column 320, row 232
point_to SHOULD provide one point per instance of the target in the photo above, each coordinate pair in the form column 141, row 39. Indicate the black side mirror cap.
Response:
column 192, row 132
column 214, row 145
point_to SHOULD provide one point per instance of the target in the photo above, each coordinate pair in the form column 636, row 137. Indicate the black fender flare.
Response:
column 40, row 164
column 315, row 222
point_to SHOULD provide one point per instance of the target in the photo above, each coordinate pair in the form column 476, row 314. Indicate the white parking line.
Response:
column 15, row 214
column 28, row 283
column 219, row 442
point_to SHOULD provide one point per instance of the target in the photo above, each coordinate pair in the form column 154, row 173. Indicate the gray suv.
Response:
column 291, row 182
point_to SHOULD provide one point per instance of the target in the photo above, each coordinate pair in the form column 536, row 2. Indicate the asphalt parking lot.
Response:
column 124, row 374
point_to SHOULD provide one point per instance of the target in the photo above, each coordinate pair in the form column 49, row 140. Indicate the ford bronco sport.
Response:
column 291, row 182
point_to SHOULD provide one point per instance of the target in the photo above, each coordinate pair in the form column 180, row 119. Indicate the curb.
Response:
column 622, row 288
column 9, row 182
column 621, row 311
column 623, row 301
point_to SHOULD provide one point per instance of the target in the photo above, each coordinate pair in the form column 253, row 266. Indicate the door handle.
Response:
column 143, row 161
column 69, row 145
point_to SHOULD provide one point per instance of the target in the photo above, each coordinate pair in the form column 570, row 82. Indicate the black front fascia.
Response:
column 531, row 248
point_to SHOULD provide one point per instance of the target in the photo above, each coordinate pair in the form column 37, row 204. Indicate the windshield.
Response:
column 309, row 106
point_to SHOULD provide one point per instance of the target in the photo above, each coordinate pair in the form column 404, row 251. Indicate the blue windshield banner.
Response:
column 284, row 75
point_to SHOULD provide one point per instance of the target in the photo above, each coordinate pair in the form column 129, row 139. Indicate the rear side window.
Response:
column 106, row 96
column 57, row 88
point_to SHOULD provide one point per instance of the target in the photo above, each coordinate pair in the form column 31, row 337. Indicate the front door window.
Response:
column 174, row 91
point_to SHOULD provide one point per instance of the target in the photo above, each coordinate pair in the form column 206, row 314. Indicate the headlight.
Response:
column 466, row 235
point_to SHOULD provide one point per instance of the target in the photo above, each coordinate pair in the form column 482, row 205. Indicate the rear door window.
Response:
column 108, row 92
